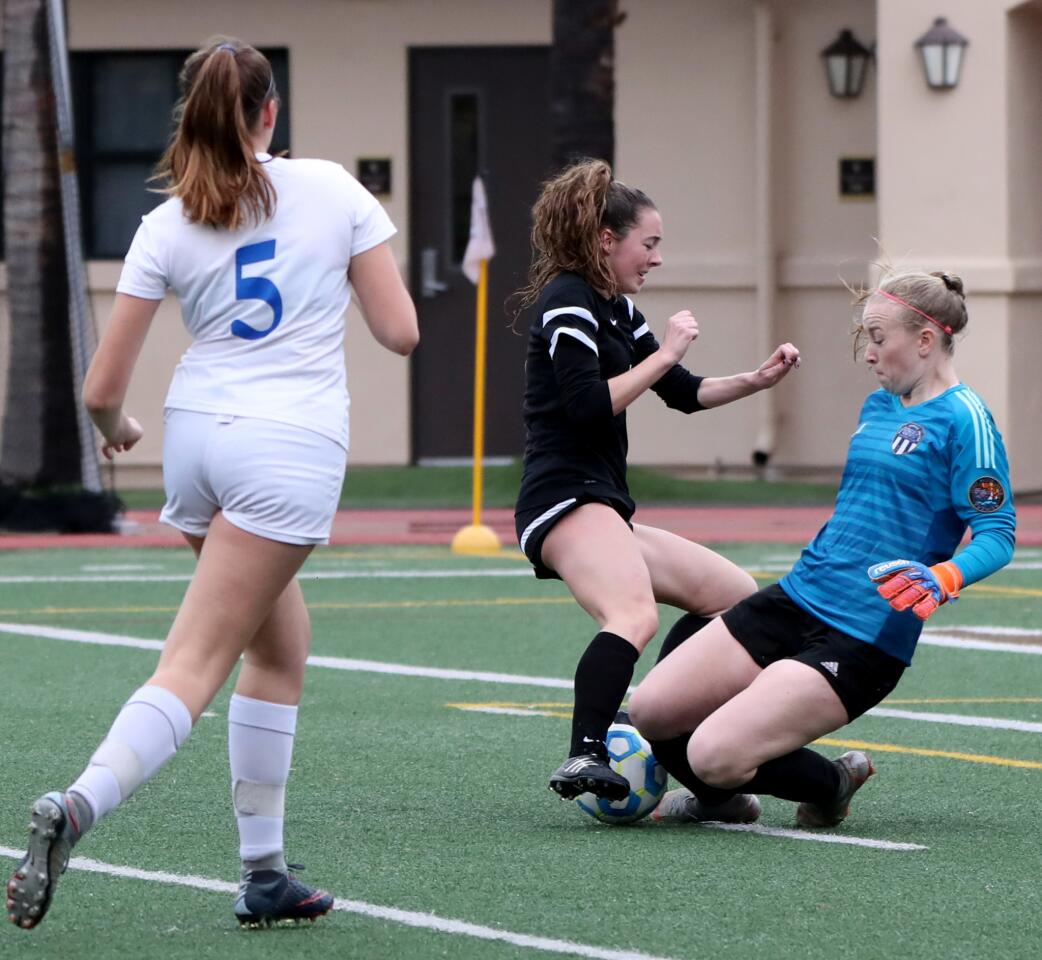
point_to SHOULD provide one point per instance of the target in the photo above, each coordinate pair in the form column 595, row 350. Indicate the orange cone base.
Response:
column 476, row 538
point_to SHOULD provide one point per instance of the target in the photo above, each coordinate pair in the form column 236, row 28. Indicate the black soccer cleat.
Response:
column 53, row 831
column 269, row 897
column 589, row 773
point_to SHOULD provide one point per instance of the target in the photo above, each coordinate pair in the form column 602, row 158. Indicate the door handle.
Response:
column 430, row 285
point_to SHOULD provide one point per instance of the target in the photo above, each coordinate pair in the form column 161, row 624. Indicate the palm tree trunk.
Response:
column 582, row 80
column 40, row 444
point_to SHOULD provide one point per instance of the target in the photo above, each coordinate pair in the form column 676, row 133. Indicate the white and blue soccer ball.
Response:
column 631, row 756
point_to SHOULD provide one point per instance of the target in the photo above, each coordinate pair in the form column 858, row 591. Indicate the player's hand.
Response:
column 905, row 583
column 777, row 365
column 126, row 434
column 681, row 331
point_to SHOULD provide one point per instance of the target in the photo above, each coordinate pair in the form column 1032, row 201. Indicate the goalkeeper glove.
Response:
column 905, row 583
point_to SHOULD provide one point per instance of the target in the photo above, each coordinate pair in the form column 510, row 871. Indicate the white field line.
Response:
column 80, row 636
column 331, row 663
column 953, row 719
column 956, row 719
column 123, row 573
column 120, row 567
column 985, row 630
column 965, row 643
column 435, row 673
column 426, row 921
column 306, row 575
column 439, row 673
column 818, row 837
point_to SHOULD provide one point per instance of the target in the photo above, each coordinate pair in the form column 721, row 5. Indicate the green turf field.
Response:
column 429, row 816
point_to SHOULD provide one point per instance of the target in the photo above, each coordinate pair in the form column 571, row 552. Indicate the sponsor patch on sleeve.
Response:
column 986, row 495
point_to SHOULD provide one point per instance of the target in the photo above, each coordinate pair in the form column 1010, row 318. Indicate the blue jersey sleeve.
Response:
column 980, row 490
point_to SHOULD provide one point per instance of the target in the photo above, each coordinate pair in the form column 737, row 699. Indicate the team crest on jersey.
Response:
column 907, row 438
column 987, row 495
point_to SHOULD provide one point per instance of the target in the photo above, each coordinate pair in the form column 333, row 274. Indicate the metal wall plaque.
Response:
column 374, row 173
column 857, row 178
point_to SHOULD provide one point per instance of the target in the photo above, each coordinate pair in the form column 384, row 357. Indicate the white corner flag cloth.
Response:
column 480, row 245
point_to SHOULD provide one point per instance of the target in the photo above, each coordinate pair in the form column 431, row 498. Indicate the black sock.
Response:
column 672, row 754
column 601, row 679
column 802, row 775
column 688, row 624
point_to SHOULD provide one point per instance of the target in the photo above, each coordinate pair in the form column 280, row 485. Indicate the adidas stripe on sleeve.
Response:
column 980, row 488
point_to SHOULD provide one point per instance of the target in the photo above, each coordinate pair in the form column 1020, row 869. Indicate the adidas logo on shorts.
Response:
column 832, row 666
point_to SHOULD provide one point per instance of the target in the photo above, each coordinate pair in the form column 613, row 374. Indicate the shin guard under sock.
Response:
column 149, row 730
column 260, row 749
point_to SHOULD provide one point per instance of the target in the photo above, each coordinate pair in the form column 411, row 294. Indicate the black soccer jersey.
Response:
column 575, row 445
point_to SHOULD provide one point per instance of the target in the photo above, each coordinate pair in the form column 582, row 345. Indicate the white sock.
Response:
column 149, row 730
column 260, row 747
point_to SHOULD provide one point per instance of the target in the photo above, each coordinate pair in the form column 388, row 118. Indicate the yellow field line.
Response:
column 512, row 704
column 537, row 709
column 976, row 590
column 543, row 710
column 1001, row 591
column 924, row 752
column 351, row 605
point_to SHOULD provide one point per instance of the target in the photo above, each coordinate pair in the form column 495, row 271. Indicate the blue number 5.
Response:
column 256, row 288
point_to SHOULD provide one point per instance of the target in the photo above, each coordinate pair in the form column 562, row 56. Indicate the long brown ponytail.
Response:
column 210, row 163
column 567, row 219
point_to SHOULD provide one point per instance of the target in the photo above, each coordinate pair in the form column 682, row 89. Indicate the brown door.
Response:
column 472, row 110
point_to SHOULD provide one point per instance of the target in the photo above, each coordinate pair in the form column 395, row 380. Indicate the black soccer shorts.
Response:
column 771, row 626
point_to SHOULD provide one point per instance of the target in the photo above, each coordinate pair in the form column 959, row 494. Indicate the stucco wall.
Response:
column 348, row 79
column 957, row 186
column 690, row 140
column 961, row 190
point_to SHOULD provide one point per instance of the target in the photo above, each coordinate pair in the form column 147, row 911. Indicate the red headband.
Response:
column 905, row 303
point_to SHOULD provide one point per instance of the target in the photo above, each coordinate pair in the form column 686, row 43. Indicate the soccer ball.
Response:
column 631, row 756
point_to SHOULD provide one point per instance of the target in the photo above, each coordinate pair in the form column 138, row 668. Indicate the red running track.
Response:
column 793, row 525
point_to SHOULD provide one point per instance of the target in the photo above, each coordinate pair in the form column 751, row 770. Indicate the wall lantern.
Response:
column 846, row 62
column 941, row 48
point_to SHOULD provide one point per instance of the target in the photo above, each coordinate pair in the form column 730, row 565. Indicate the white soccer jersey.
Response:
column 265, row 303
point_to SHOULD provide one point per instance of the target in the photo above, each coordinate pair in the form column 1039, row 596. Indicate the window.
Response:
column 464, row 127
column 123, row 102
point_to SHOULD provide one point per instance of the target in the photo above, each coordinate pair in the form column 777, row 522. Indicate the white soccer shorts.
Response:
column 272, row 479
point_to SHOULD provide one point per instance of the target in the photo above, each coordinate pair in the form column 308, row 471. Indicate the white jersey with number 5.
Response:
column 264, row 304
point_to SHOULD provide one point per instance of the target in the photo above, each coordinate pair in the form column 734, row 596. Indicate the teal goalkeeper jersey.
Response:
column 915, row 479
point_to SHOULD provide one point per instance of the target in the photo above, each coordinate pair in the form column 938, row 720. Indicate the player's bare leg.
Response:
column 596, row 554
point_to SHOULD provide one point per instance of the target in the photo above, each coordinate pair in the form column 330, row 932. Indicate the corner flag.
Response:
column 478, row 538
column 480, row 246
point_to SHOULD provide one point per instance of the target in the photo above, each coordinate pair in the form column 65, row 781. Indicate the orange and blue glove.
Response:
column 906, row 584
